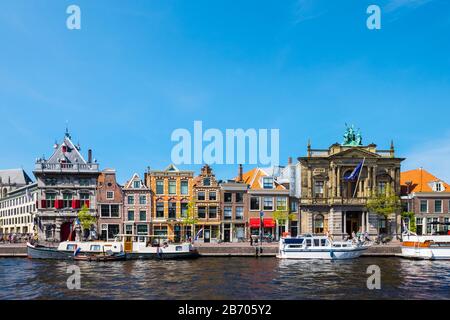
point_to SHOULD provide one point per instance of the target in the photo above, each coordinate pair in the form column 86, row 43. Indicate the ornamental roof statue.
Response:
column 352, row 137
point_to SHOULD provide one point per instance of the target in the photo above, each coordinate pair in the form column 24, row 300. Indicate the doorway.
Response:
column 353, row 221
column 207, row 237
column 226, row 233
column 65, row 231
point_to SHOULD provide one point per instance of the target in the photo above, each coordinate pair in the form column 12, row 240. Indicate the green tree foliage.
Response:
column 385, row 203
column 189, row 219
column 280, row 216
column 86, row 219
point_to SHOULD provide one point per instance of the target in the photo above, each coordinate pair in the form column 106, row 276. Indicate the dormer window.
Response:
column 267, row 183
column 438, row 187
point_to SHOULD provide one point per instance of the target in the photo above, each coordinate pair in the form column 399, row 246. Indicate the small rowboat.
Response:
column 100, row 257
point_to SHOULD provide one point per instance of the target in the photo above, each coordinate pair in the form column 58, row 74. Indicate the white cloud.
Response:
column 432, row 156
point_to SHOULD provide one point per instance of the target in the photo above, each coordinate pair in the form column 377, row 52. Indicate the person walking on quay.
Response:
column 251, row 241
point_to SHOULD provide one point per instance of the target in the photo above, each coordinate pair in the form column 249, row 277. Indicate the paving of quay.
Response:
column 240, row 249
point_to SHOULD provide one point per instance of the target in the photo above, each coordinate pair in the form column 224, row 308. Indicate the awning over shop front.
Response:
column 269, row 223
column 254, row 222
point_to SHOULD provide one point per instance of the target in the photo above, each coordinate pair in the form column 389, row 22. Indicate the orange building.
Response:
column 171, row 191
column 428, row 197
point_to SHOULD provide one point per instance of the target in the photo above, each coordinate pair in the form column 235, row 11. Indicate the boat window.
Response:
column 95, row 247
column 337, row 245
column 344, row 245
column 178, row 248
column 316, row 242
column 293, row 240
column 323, row 242
column 294, row 246
column 71, row 247
column 308, row 242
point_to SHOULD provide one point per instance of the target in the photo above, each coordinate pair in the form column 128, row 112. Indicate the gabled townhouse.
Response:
column 428, row 197
column 266, row 197
column 234, row 207
column 171, row 192
column 289, row 176
column 137, row 207
column 207, row 209
column 66, row 182
column 109, row 205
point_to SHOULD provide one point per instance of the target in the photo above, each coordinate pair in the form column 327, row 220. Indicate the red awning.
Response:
column 254, row 222
column 269, row 223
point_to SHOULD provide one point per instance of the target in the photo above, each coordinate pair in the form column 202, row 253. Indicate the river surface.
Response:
column 225, row 278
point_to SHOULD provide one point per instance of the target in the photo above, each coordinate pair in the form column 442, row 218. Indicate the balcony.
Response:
column 360, row 201
column 66, row 167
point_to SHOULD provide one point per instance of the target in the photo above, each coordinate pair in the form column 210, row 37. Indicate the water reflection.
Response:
column 226, row 278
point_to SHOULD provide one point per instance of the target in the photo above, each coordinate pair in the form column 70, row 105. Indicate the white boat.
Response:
column 426, row 247
column 67, row 250
column 155, row 247
column 318, row 247
column 132, row 246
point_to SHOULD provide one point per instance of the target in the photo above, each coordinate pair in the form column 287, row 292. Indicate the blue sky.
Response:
column 137, row 70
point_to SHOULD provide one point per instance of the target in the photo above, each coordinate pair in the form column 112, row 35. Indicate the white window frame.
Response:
column 109, row 192
column 250, row 203
column 420, row 206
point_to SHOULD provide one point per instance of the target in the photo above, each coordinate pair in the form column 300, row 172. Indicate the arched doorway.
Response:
column 65, row 231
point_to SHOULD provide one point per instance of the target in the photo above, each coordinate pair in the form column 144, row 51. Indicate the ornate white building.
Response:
column 66, row 183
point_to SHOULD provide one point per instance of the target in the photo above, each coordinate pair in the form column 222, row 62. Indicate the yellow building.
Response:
column 171, row 191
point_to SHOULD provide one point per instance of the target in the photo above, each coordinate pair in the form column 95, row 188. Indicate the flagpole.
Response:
column 359, row 175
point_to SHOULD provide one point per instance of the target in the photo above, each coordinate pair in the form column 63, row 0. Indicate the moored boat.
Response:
column 318, row 247
column 67, row 250
column 130, row 246
column 434, row 247
column 155, row 247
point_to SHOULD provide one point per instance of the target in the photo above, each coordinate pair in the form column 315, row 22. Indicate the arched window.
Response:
column 318, row 224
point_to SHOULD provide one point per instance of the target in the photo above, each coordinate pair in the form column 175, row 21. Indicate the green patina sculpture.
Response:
column 352, row 137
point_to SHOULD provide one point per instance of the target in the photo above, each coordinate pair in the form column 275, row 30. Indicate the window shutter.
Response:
column 60, row 204
column 74, row 204
column 43, row 203
column 56, row 204
column 87, row 203
column 77, row 204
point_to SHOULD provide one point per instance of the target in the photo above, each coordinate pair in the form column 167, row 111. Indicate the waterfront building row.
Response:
column 313, row 195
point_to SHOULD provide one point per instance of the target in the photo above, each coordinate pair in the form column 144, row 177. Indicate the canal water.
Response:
column 226, row 278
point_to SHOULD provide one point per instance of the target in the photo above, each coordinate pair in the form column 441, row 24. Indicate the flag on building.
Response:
column 355, row 173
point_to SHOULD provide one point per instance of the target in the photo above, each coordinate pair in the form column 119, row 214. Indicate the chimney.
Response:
column 289, row 160
column 240, row 178
column 89, row 156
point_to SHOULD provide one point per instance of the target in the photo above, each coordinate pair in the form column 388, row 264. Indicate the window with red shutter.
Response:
column 43, row 203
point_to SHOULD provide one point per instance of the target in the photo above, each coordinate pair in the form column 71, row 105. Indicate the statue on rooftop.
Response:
column 352, row 137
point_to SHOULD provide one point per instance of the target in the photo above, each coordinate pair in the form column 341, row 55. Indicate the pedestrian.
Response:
column 251, row 241
column 353, row 234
